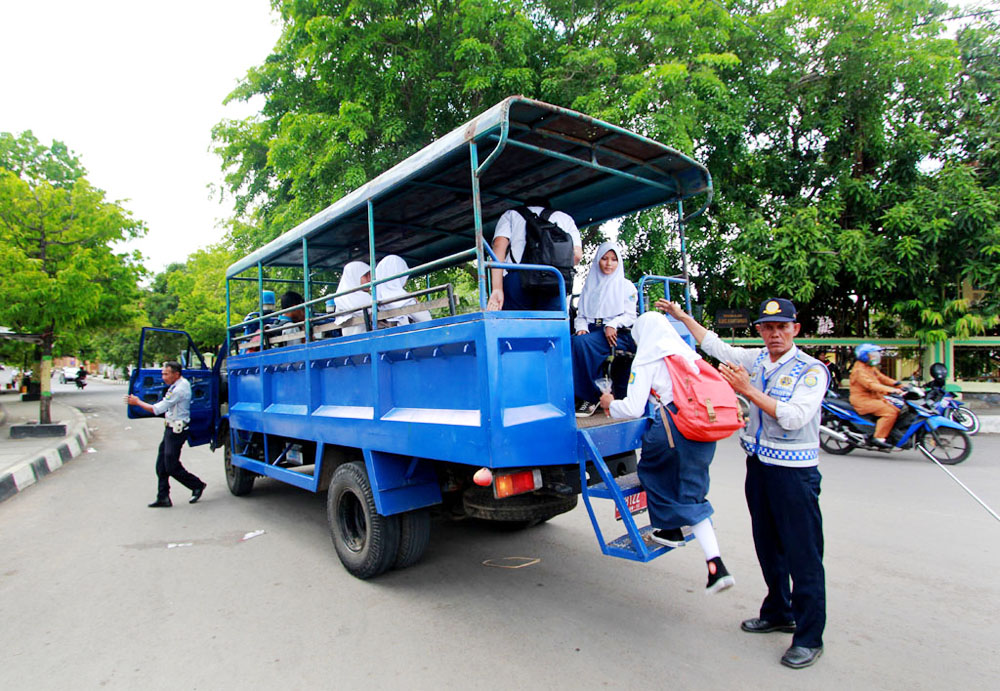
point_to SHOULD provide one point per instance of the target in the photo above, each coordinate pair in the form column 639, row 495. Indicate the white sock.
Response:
column 704, row 533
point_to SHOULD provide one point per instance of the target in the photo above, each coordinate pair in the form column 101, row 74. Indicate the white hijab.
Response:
column 351, row 278
column 390, row 265
column 656, row 338
column 603, row 296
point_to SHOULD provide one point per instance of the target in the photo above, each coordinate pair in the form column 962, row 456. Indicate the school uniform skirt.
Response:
column 675, row 479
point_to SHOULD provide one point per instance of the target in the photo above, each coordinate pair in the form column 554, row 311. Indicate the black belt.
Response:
column 620, row 329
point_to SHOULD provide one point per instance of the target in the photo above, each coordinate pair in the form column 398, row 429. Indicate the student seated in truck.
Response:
column 391, row 265
column 355, row 274
column 510, row 244
column 604, row 318
column 291, row 322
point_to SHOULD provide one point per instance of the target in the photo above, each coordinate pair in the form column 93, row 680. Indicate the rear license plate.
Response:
column 636, row 504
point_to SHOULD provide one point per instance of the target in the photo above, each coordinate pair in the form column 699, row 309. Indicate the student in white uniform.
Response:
column 509, row 240
column 391, row 265
column 604, row 318
column 355, row 274
column 673, row 470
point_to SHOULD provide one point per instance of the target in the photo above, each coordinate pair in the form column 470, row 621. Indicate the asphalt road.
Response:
column 96, row 590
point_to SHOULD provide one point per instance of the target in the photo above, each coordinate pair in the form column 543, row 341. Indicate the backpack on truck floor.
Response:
column 545, row 243
column 707, row 409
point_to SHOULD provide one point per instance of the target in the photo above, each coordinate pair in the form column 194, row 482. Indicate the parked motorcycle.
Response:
column 918, row 427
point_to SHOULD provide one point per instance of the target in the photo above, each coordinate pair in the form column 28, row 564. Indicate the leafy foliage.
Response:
column 854, row 145
column 59, row 274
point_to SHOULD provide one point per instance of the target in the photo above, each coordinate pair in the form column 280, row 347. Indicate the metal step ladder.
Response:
column 635, row 544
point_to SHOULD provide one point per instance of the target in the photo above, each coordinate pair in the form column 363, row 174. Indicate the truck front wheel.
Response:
column 239, row 479
column 366, row 541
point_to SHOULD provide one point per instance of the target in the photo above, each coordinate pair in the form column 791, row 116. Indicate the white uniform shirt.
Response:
column 624, row 320
column 176, row 403
column 643, row 378
column 791, row 414
column 513, row 227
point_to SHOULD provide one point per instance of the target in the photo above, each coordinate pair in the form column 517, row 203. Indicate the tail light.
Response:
column 522, row 481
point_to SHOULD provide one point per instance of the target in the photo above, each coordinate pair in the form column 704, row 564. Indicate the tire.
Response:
column 414, row 535
column 240, row 480
column 835, row 446
column 947, row 445
column 517, row 512
column 966, row 418
column 366, row 542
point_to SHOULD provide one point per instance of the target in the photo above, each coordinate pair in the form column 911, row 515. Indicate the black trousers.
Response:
column 788, row 535
column 168, row 464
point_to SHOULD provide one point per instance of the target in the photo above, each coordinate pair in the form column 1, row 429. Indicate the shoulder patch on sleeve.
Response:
column 631, row 377
column 813, row 377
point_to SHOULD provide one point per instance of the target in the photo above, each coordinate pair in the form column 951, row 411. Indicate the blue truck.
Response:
column 398, row 419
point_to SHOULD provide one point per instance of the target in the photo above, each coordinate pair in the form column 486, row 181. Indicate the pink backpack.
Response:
column 707, row 409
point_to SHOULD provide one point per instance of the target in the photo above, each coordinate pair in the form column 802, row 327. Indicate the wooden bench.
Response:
column 329, row 320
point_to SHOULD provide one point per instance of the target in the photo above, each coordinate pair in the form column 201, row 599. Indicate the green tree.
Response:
column 354, row 87
column 59, row 274
column 200, row 289
column 819, row 120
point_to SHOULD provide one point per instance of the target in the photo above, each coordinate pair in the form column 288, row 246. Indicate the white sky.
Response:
column 134, row 88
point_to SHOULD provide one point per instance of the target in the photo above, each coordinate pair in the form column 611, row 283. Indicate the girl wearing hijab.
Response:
column 391, row 265
column 673, row 470
column 355, row 274
column 606, row 311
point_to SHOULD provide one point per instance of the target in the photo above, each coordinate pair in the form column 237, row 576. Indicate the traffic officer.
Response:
column 175, row 406
column 785, row 388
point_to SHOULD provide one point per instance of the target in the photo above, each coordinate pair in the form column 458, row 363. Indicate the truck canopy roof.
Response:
column 423, row 206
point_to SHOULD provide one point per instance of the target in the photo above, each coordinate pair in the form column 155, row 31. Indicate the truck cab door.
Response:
column 157, row 346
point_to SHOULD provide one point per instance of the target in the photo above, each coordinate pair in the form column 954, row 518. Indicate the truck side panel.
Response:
column 493, row 392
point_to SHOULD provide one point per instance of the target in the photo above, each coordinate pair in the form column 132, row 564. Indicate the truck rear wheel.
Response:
column 414, row 535
column 366, row 542
column 240, row 480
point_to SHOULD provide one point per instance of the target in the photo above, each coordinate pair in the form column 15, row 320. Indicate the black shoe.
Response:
column 719, row 578
column 161, row 504
column 879, row 444
column 798, row 657
column 586, row 409
column 765, row 626
column 196, row 494
column 672, row 537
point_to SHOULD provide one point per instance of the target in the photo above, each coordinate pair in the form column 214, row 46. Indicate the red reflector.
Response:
column 516, row 483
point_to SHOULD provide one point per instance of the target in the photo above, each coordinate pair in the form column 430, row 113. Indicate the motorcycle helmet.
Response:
column 939, row 373
column 868, row 353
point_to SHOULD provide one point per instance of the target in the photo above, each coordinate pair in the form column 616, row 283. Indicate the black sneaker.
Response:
column 879, row 444
column 672, row 537
column 718, row 577
column 586, row 409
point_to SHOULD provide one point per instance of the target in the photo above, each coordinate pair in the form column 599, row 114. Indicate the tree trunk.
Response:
column 44, row 370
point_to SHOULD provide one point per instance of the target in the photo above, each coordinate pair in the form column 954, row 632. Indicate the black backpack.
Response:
column 548, row 244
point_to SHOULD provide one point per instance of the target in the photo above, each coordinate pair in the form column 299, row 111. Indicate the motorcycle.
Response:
column 946, row 405
column 842, row 429
column 80, row 381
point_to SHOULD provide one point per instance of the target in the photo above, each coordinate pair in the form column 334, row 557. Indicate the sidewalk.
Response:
column 23, row 462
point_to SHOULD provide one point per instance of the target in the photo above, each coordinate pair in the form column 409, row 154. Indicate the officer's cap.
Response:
column 776, row 310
